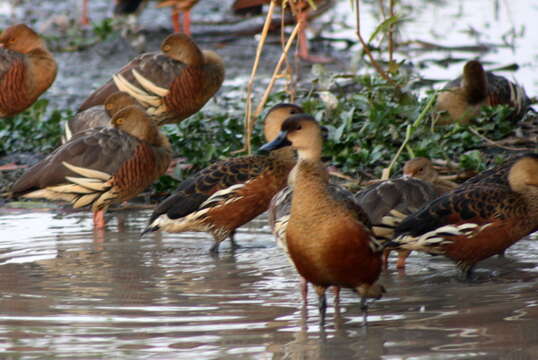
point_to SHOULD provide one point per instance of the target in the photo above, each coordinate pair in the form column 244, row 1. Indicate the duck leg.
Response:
column 304, row 290
column 175, row 19
column 402, row 256
column 465, row 271
column 84, row 18
column 218, row 238
column 187, row 22
column 302, row 20
column 233, row 244
column 386, row 255
column 99, row 219
column 336, row 290
column 322, row 302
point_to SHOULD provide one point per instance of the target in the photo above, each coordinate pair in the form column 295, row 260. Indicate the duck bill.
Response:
column 280, row 142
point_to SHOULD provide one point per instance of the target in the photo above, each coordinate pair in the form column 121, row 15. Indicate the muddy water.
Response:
column 69, row 292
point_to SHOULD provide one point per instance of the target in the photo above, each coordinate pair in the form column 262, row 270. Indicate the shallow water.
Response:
column 69, row 292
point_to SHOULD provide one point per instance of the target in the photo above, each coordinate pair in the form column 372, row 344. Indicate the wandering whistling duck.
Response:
column 463, row 97
column 480, row 218
column 327, row 239
column 101, row 166
column 404, row 195
column 422, row 168
column 279, row 214
column 301, row 10
column 27, row 69
column 229, row 193
column 171, row 84
column 180, row 7
column 98, row 116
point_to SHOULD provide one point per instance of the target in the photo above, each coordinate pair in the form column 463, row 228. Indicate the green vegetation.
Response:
column 75, row 38
column 366, row 128
column 34, row 130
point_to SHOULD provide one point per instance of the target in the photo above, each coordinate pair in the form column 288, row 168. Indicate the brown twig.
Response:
column 366, row 48
column 283, row 56
column 249, row 123
column 496, row 144
column 391, row 33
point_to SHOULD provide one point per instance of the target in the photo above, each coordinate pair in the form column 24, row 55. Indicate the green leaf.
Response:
column 384, row 26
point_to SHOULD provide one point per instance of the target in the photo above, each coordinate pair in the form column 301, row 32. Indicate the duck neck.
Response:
column 192, row 56
column 309, row 176
column 475, row 85
column 309, row 180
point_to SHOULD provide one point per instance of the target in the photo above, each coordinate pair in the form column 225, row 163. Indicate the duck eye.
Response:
column 119, row 121
column 167, row 47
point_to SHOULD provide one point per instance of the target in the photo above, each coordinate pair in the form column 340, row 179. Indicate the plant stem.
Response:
column 410, row 130
column 391, row 33
column 366, row 48
column 283, row 56
column 249, row 123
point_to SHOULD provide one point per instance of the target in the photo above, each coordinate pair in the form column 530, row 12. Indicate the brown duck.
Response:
column 98, row 116
column 101, row 166
column 479, row 219
column 171, row 84
column 422, row 168
column 27, row 69
column 329, row 242
column 463, row 97
column 279, row 214
column 229, row 193
column 387, row 202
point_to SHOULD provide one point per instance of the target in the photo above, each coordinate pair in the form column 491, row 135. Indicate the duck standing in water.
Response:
column 480, row 218
column 101, row 166
column 229, row 193
column 388, row 202
column 327, row 239
column 463, row 97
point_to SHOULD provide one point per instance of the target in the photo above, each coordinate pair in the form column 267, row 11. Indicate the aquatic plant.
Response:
column 37, row 129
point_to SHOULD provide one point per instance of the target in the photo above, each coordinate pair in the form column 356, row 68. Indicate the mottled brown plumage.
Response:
column 101, row 166
column 27, row 69
column 279, row 214
column 98, row 116
column 280, row 207
column 327, row 241
column 480, row 218
column 463, row 97
column 389, row 201
column 171, row 84
column 229, row 193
